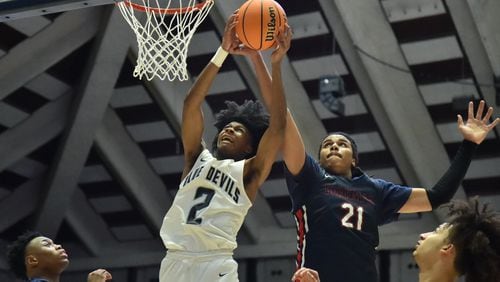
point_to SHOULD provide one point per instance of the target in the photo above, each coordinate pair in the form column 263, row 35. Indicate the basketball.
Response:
column 259, row 21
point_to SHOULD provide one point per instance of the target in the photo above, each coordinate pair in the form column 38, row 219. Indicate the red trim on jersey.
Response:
column 301, row 234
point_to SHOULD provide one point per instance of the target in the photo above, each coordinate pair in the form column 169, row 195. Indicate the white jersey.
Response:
column 209, row 207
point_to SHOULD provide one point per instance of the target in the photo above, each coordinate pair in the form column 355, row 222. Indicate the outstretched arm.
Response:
column 192, row 115
column 258, row 167
column 474, row 132
column 293, row 147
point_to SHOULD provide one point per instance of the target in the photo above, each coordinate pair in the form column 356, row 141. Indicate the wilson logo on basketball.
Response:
column 271, row 25
column 259, row 22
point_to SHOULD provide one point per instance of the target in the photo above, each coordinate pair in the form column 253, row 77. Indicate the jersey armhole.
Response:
column 308, row 169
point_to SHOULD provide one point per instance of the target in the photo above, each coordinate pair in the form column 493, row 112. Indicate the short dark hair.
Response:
column 353, row 144
column 16, row 253
column 251, row 114
column 475, row 233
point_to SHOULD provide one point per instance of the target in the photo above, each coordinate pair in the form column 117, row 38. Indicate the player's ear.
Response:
column 448, row 249
column 31, row 260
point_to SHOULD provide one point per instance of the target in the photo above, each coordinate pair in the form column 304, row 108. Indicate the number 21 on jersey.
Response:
column 348, row 220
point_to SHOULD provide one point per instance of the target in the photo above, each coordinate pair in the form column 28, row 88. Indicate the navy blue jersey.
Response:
column 338, row 218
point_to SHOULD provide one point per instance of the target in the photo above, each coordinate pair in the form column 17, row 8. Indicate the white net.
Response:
column 163, row 35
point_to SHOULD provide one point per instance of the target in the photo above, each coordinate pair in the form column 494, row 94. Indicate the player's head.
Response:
column 32, row 254
column 240, row 128
column 468, row 245
column 338, row 153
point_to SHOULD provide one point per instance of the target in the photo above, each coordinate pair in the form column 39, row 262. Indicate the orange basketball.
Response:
column 259, row 21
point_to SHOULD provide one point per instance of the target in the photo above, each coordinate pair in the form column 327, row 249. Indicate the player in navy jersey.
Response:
column 338, row 208
column 217, row 189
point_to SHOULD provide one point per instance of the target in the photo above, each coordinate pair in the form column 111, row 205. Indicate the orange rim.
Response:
column 168, row 11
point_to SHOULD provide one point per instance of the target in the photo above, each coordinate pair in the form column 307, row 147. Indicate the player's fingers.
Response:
column 480, row 109
column 488, row 115
column 300, row 272
column 289, row 31
column 470, row 114
column 315, row 274
column 494, row 123
column 99, row 270
column 460, row 121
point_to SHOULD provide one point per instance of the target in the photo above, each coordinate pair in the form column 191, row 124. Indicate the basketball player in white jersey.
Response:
column 217, row 189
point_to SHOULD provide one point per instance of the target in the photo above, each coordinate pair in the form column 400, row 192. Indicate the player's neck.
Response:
column 346, row 174
column 50, row 277
column 436, row 275
column 437, row 270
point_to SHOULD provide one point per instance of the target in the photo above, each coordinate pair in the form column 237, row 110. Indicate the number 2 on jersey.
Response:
column 209, row 193
column 350, row 212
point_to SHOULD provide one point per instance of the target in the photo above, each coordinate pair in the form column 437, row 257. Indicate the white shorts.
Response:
column 180, row 266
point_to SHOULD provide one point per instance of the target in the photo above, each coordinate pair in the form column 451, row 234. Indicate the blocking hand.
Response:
column 283, row 41
column 476, row 127
column 229, row 39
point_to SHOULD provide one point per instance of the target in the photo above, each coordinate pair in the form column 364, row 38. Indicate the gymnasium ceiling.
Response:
column 91, row 156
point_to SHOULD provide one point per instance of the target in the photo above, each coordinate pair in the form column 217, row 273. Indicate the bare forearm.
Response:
column 278, row 108
column 201, row 86
column 192, row 114
column 293, row 147
column 263, row 77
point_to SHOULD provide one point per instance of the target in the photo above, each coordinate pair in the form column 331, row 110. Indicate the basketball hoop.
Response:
column 163, row 34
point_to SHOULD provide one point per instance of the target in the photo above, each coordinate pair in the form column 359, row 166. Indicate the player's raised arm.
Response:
column 293, row 147
column 474, row 131
column 192, row 115
column 272, row 140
